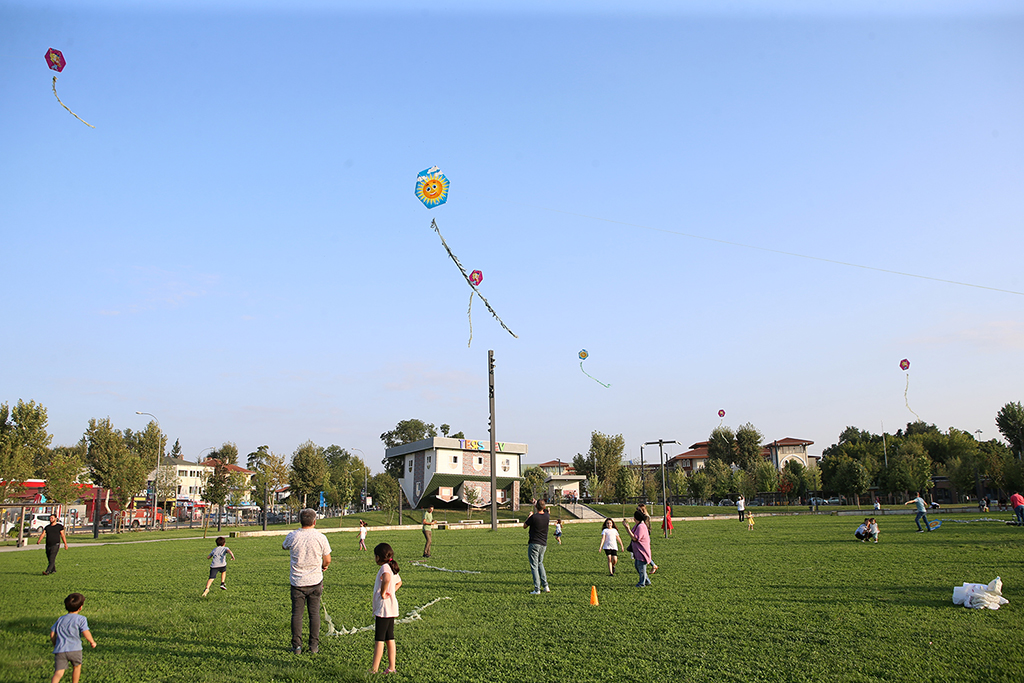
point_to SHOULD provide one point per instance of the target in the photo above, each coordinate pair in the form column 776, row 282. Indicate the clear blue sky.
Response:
column 236, row 247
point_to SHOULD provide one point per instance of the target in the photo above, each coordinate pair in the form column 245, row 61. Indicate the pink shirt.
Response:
column 386, row 607
column 1016, row 500
column 642, row 544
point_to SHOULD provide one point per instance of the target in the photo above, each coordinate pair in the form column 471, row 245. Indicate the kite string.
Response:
column 606, row 386
column 410, row 616
column 444, row 569
column 66, row 106
column 750, row 246
column 907, row 401
column 433, row 224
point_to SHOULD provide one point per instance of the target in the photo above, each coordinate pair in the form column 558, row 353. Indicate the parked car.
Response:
column 819, row 501
column 833, row 501
column 36, row 521
column 726, row 502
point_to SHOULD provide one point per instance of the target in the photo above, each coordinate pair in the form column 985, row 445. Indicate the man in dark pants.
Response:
column 311, row 554
column 54, row 533
column 537, row 523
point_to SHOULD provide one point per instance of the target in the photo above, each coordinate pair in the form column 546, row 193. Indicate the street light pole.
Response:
column 664, row 490
column 156, row 472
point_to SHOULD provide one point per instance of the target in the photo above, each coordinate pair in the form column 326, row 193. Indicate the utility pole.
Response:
column 494, row 462
column 664, row 489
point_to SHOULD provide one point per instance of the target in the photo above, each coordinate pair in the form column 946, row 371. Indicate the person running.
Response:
column 66, row 635
column 385, row 606
column 558, row 531
column 609, row 539
column 54, row 533
column 537, row 545
column 219, row 564
column 362, row 535
column 921, row 514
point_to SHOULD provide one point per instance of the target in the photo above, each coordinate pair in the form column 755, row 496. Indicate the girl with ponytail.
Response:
column 385, row 606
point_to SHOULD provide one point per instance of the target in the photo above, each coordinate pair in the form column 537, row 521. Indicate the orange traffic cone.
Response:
column 593, row 596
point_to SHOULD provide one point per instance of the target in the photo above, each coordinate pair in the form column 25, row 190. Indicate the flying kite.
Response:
column 55, row 60
column 904, row 366
column 583, row 356
column 432, row 190
column 721, row 414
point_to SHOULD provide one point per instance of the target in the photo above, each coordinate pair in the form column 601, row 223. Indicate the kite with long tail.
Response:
column 583, row 356
column 432, row 190
column 904, row 366
column 55, row 60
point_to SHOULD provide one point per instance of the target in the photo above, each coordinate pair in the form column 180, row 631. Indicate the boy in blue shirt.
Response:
column 66, row 636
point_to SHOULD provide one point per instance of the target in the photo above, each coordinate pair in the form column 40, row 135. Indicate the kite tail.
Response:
column 433, row 224
column 905, row 400
column 606, row 386
column 66, row 106
column 331, row 631
column 470, row 314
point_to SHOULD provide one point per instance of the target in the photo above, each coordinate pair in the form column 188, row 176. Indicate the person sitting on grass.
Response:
column 219, row 565
column 862, row 531
column 66, row 636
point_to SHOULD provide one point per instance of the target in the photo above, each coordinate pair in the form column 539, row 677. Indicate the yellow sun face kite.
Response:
column 432, row 187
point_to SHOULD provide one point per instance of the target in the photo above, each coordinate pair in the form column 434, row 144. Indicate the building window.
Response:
column 444, row 492
column 428, row 462
column 419, row 487
column 410, row 464
column 455, row 460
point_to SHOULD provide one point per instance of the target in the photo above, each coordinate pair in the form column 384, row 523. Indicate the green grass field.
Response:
column 797, row 599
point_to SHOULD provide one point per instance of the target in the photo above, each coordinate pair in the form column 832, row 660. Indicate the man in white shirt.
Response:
column 311, row 555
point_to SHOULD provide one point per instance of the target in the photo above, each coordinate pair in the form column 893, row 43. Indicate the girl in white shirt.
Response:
column 609, row 538
column 385, row 606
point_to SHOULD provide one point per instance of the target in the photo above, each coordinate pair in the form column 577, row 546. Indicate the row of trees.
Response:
column 909, row 459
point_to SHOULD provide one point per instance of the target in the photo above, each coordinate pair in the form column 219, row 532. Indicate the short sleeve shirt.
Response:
column 53, row 533
column 308, row 547
column 538, row 526
column 69, row 629
column 386, row 607
column 219, row 556
column 428, row 520
column 608, row 537
column 919, row 503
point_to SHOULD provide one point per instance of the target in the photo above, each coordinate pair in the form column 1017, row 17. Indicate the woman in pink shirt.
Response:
column 640, row 547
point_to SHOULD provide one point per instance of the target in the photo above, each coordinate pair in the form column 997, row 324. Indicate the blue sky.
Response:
column 236, row 247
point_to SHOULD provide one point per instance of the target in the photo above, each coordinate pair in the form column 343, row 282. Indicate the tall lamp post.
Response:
column 156, row 472
column 664, row 491
column 365, row 482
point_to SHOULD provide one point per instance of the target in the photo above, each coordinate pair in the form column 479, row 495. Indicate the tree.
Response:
column 594, row 487
column 114, row 466
column 166, row 482
column 700, row 485
column 345, row 472
column 23, row 445
column 270, row 474
column 627, row 484
column 720, row 475
column 766, row 477
column 218, row 487
column 748, row 446
column 61, row 473
column 722, row 445
column 677, row 484
column 1010, row 421
column 472, row 495
column 606, row 454
column 406, row 431
column 385, row 493
column 744, row 483
column 852, row 479
column 533, row 484
column 793, row 478
column 227, row 453
column 308, row 470
column 176, row 450
column 583, row 465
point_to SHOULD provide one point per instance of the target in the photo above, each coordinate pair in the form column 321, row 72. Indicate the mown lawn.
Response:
column 797, row 599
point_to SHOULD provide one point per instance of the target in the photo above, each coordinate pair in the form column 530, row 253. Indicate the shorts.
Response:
column 61, row 660
column 383, row 629
column 217, row 570
column 611, row 552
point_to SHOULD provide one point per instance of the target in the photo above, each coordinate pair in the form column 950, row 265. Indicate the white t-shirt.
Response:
column 741, row 504
column 308, row 547
column 608, row 537
column 362, row 533
column 386, row 607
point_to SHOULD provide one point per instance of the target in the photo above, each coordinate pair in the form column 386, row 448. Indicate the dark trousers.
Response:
column 743, row 515
column 427, row 534
column 306, row 598
column 51, row 557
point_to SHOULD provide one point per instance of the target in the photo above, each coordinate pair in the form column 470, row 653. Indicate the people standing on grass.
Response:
column 921, row 506
column 219, row 564
column 642, row 509
column 558, row 531
column 873, row 529
column 609, row 539
column 428, row 529
column 666, row 523
column 362, row 535
column 66, row 635
column 741, row 507
column 537, row 545
column 1017, row 505
column 54, row 534
column 385, row 607
column 310, row 556
column 640, row 547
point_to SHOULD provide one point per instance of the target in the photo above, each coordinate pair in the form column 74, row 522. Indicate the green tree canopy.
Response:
column 227, row 453
column 62, row 471
column 1010, row 421
column 532, row 487
column 270, row 473
column 385, row 493
column 722, row 445
column 114, row 465
column 748, row 446
column 308, row 471
column 24, row 444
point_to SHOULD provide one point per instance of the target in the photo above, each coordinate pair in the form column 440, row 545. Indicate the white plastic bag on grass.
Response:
column 979, row 595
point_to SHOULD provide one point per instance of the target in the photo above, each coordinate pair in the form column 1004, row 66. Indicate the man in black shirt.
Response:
column 54, row 533
column 537, row 523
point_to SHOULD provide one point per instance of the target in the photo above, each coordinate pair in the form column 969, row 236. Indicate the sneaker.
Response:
column 534, row 592
column 547, row 589
column 297, row 650
column 223, row 587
